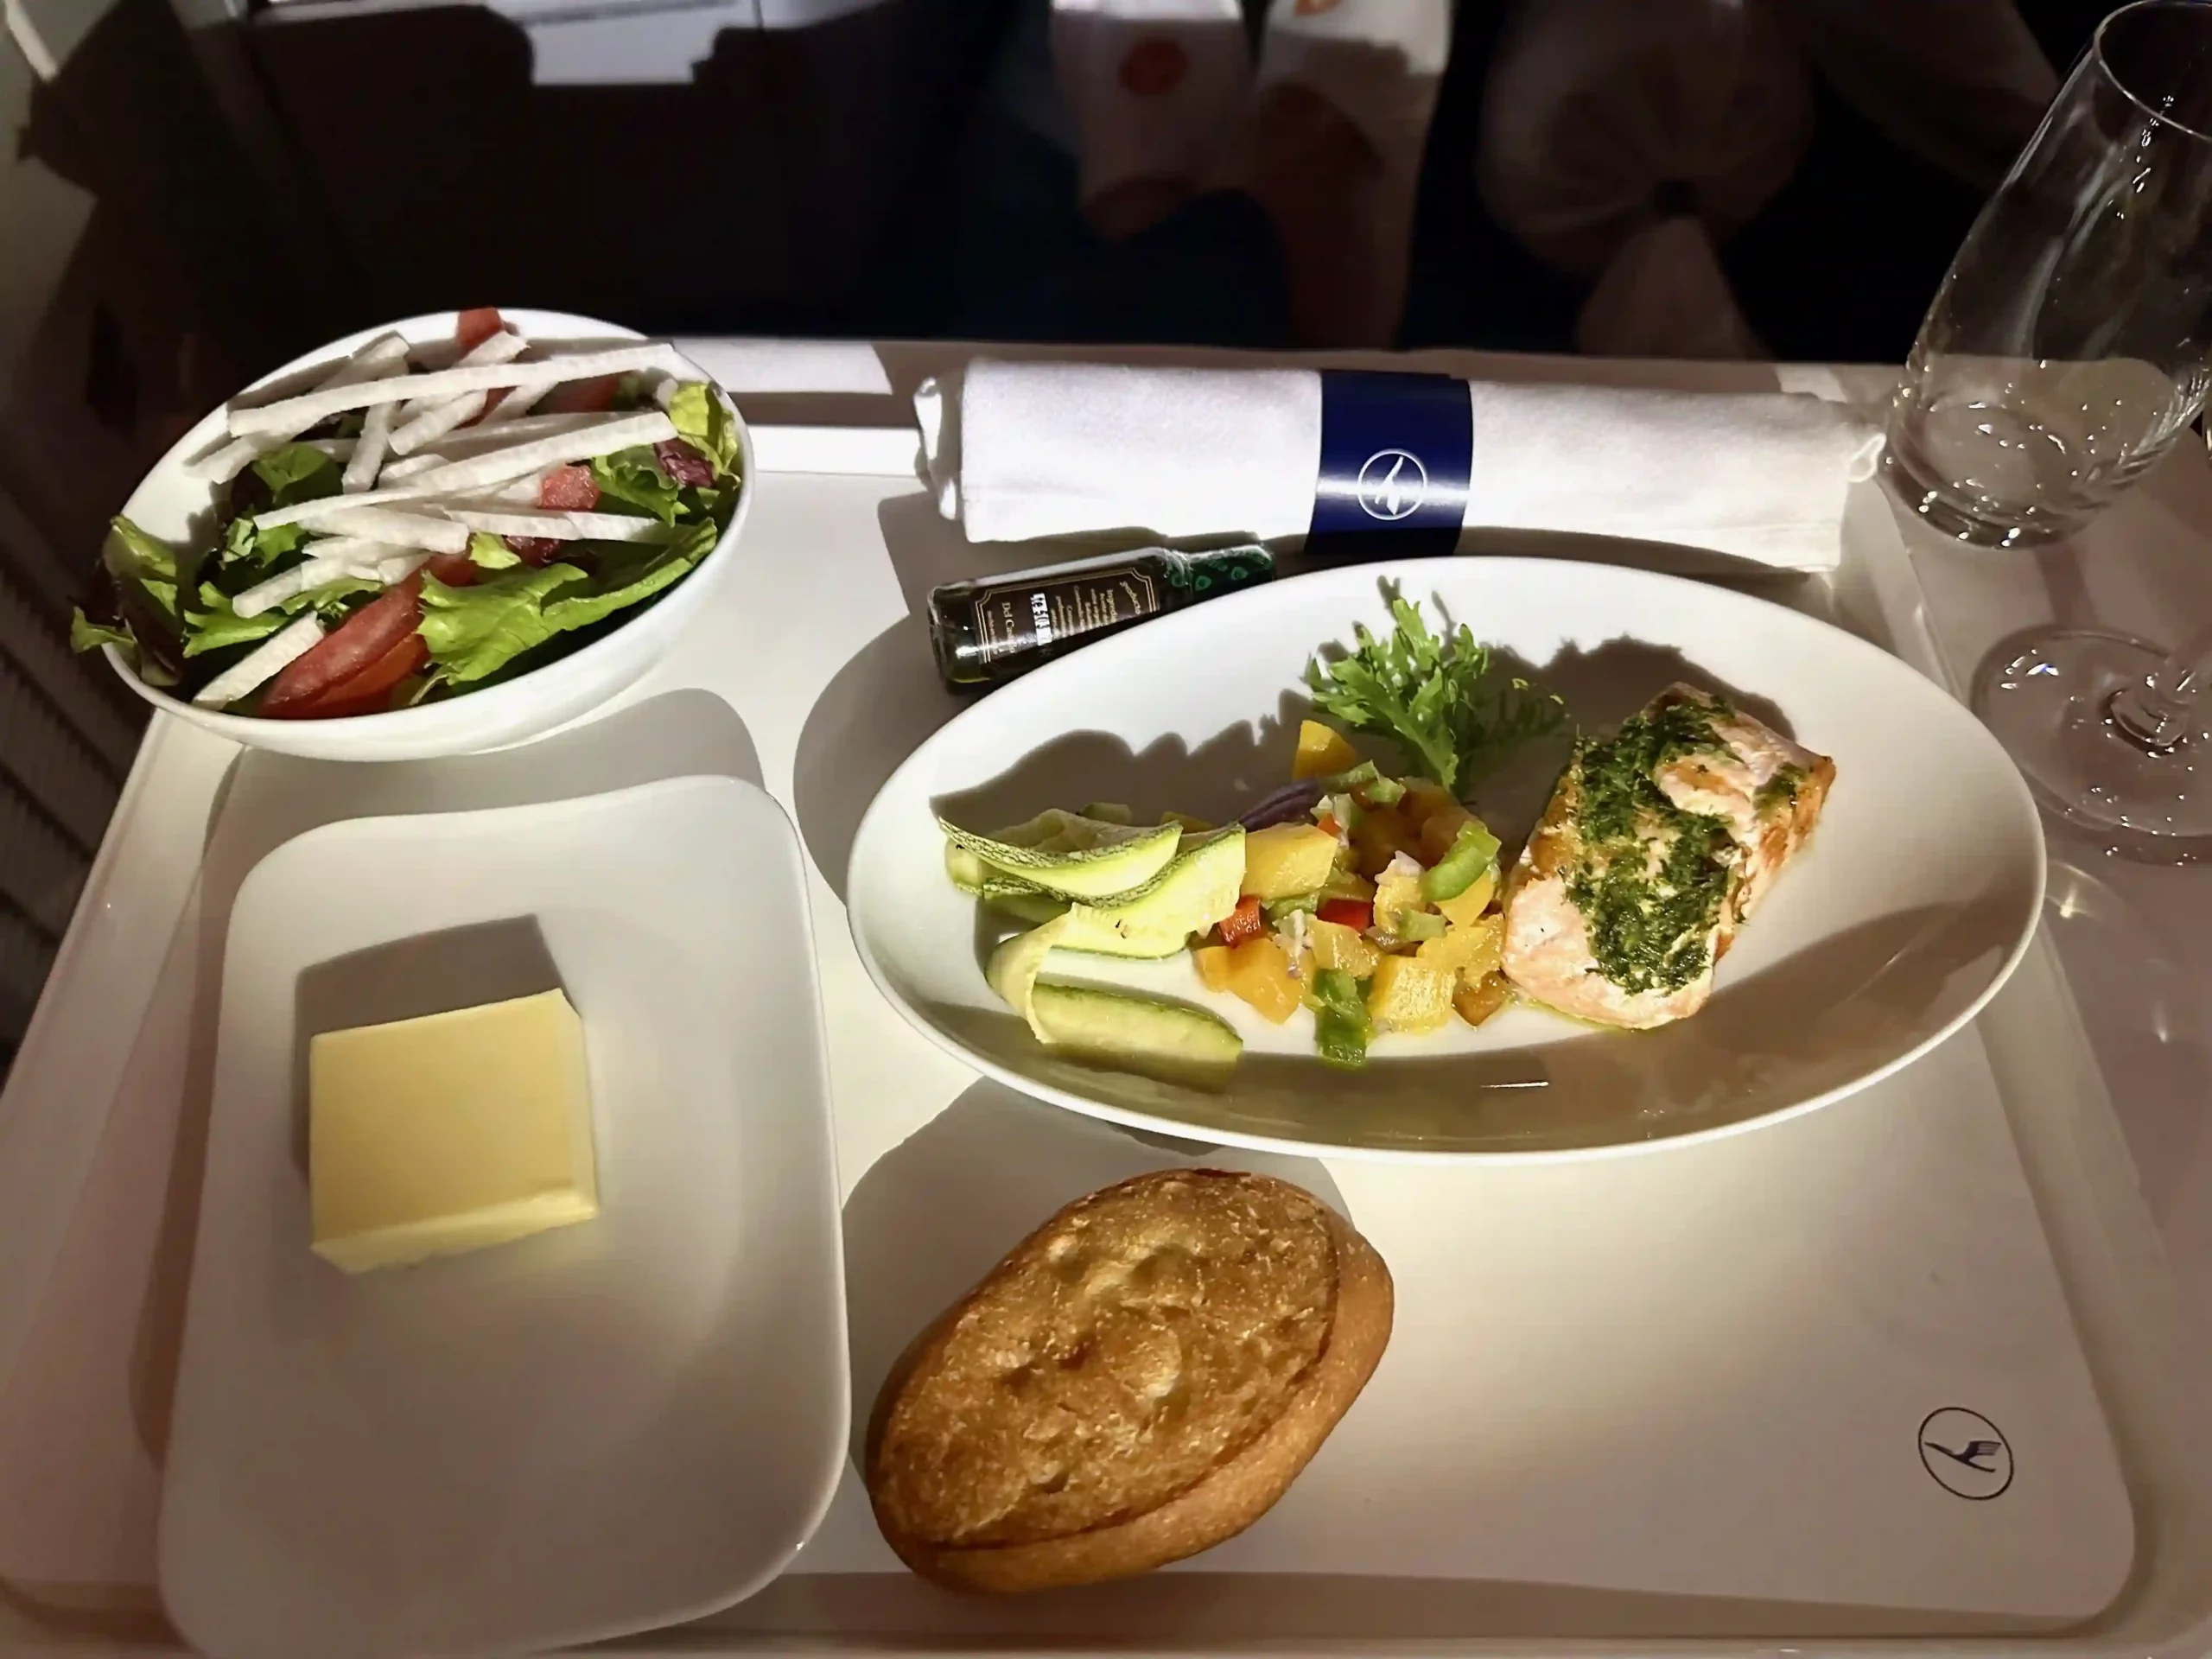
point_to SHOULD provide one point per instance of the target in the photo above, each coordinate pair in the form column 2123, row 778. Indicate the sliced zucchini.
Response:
column 1014, row 965
column 1170, row 1041
column 1024, row 903
column 1066, row 852
column 1191, row 894
column 969, row 872
column 1195, row 890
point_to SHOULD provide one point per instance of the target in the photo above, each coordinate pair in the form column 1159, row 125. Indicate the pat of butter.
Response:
column 449, row 1133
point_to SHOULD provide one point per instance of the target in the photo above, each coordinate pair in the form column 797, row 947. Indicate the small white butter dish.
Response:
column 592, row 1431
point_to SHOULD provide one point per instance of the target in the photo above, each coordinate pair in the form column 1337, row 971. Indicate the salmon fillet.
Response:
column 1658, row 842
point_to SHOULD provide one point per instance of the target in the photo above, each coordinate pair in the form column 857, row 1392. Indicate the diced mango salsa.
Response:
column 1440, row 829
column 1476, row 999
column 1469, row 905
column 1212, row 961
column 1380, row 837
column 1424, row 797
column 1473, row 950
column 1321, row 751
column 1394, row 895
column 1259, row 972
column 1287, row 860
column 1409, row 994
column 1336, row 946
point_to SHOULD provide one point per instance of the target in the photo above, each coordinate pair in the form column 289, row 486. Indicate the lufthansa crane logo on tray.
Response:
column 1967, row 1453
column 1392, row 484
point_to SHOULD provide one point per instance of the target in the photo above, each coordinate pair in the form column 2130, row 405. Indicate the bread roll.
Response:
column 1142, row 1377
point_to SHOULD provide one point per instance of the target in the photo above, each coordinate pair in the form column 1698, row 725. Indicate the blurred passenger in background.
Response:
column 1680, row 178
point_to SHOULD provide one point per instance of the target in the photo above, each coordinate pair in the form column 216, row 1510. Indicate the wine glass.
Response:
column 2069, row 347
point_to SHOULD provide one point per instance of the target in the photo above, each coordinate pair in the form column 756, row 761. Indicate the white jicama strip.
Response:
column 302, row 412
column 513, row 405
column 277, row 653
column 479, row 439
column 363, row 550
column 399, row 470
column 368, row 457
column 362, row 561
column 435, row 423
column 512, row 521
column 336, row 448
column 399, row 566
column 382, row 358
column 624, row 527
column 502, row 347
column 288, row 584
column 498, row 466
column 329, row 507
column 425, row 420
column 404, row 529
column 553, row 525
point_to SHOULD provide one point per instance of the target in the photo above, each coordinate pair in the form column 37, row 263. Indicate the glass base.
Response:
column 2048, row 699
column 1950, row 512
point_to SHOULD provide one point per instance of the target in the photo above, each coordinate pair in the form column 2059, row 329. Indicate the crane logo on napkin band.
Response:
column 1392, row 484
column 1397, row 451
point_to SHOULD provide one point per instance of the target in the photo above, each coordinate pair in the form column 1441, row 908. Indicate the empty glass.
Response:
column 2067, row 348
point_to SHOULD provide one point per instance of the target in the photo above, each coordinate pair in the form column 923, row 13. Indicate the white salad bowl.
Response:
column 172, row 505
column 1913, row 899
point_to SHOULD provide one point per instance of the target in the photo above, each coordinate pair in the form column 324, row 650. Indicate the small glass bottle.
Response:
column 986, row 632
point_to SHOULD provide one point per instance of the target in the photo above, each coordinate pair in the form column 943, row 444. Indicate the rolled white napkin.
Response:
column 1019, row 450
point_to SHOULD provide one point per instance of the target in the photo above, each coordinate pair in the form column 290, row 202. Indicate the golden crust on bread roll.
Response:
column 1141, row 1378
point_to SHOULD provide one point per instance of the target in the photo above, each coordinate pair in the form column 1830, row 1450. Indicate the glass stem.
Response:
column 2161, row 711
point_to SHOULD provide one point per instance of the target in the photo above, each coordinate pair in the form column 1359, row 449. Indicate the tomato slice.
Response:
column 583, row 396
column 455, row 570
column 368, row 692
column 364, row 639
column 533, row 549
column 571, row 489
column 473, row 327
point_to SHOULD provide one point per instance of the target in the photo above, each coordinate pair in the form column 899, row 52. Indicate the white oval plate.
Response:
column 594, row 1431
column 1913, row 902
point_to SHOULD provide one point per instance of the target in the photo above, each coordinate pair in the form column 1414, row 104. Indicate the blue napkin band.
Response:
column 1397, row 454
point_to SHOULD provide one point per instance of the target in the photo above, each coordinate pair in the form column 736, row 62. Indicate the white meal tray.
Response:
column 1682, row 1400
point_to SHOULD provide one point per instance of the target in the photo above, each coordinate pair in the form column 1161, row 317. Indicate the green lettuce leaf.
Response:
column 299, row 472
column 489, row 552
column 86, row 635
column 474, row 632
column 633, row 479
column 296, row 472
column 630, row 573
column 214, row 626
column 131, row 552
column 244, row 545
column 138, row 561
column 703, row 422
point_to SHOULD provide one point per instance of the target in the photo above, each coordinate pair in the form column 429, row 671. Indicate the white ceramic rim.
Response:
column 399, row 723
column 2024, row 802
